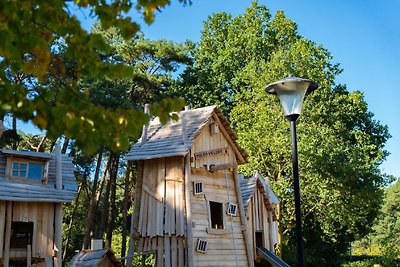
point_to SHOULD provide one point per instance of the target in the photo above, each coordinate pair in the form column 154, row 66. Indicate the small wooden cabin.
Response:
column 260, row 205
column 188, row 207
column 95, row 258
column 33, row 188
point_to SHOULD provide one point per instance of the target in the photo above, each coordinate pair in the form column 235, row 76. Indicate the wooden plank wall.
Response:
column 161, row 223
column 162, row 198
column 3, row 207
column 260, row 219
column 207, row 141
column 170, row 249
column 42, row 216
column 220, row 243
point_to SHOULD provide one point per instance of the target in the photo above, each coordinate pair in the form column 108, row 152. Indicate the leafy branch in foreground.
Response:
column 43, row 39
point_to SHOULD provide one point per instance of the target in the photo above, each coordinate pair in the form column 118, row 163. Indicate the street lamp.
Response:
column 291, row 92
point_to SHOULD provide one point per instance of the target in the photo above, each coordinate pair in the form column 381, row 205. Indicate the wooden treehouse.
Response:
column 260, row 205
column 33, row 188
column 188, row 206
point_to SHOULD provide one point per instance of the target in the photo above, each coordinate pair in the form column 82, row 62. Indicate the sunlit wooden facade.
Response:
column 33, row 188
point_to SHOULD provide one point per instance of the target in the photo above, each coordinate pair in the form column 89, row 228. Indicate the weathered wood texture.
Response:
column 167, row 140
column 223, row 244
column 42, row 216
column 168, row 216
column 260, row 204
column 162, row 199
column 14, row 190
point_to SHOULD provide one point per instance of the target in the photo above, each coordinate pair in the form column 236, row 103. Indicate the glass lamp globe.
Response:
column 291, row 92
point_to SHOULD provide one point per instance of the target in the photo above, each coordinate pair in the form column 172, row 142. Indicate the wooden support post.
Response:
column 189, row 234
column 6, row 261
column 58, row 211
column 28, row 255
column 135, row 214
column 249, row 250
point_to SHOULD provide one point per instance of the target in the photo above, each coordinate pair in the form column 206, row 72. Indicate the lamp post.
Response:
column 291, row 92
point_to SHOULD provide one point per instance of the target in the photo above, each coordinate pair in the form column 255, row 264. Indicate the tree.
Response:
column 341, row 145
column 31, row 33
column 387, row 228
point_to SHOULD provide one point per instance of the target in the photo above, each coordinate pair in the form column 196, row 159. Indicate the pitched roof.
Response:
column 167, row 140
column 94, row 258
column 248, row 188
column 15, row 190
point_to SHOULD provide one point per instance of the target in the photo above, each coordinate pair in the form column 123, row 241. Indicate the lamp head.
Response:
column 291, row 92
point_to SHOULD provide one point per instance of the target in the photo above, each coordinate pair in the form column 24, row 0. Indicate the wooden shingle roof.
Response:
column 94, row 258
column 248, row 188
column 167, row 140
column 14, row 190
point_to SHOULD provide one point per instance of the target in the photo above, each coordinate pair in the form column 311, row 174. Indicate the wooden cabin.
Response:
column 95, row 258
column 33, row 188
column 260, row 205
column 188, row 207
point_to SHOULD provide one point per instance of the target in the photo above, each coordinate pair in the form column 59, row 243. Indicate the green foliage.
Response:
column 43, row 43
column 363, row 263
column 340, row 144
column 387, row 229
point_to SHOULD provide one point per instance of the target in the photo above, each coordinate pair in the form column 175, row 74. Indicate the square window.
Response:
column 198, row 188
column 232, row 209
column 201, row 245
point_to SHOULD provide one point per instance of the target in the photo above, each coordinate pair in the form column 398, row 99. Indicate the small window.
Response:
column 232, row 209
column 217, row 216
column 214, row 129
column 28, row 169
column 32, row 171
column 201, row 245
column 198, row 188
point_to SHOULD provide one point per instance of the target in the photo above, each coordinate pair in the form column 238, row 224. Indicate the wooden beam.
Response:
column 58, row 211
column 229, row 139
column 6, row 261
column 189, row 234
column 250, row 256
column 224, row 166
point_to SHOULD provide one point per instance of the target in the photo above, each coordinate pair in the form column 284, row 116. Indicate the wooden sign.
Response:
column 212, row 152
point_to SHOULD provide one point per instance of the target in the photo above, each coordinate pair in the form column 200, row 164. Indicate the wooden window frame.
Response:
column 229, row 209
column 9, row 169
column 197, row 185
column 201, row 245
column 210, row 212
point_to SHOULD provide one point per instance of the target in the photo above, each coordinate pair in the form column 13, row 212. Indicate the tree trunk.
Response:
column 97, row 229
column 125, row 210
column 71, row 222
column 14, row 128
column 65, row 146
column 53, row 144
column 113, row 189
column 89, row 222
column 40, row 146
column 104, row 215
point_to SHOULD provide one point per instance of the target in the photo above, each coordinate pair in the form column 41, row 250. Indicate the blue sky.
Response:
column 363, row 36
